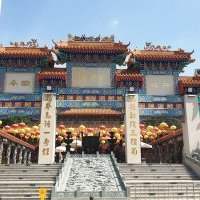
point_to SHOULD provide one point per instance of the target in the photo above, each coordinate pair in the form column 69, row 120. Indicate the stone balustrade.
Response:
column 15, row 151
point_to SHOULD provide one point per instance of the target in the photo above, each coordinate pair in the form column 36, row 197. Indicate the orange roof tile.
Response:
column 53, row 74
column 120, row 76
column 90, row 111
column 24, row 52
column 155, row 55
column 92, row 46
column 188, row 81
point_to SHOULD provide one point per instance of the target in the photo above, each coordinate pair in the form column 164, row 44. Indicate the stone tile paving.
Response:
column 92, row 174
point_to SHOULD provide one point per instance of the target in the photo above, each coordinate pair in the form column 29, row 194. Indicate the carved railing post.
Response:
column 8, row 153
column 1, row 151
column 60, row 157
column 20, row 155
column 14, row 158
column 25, row 156
column 14, row 150
column 29, row 158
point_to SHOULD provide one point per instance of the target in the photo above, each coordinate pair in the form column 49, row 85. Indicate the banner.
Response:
column 47, row 129
column 132, row 134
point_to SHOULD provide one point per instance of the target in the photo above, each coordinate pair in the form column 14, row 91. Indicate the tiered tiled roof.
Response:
column 91, row 111
column 122, row 75
column 92, row 47
column 24, row 52
column 52, row 74
column 162, row 55
column 188, row 81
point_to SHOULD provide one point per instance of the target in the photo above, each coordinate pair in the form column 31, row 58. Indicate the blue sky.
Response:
column 167, row 22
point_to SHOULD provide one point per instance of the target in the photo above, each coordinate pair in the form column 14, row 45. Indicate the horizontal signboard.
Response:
column 92, row 77
column 160, row 84
column 19, row 83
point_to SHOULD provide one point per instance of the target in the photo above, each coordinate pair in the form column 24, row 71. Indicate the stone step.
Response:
column 162, row 191
column 164, row 198
column 22, row 189
column 162, row 182
column 35, row 197
column 163, row 175
column 153, row 170
column 6, row 182
column 19, row 182
column 27, row 177
column 160, row 197
column 153, row 164
column 151, row 167
column 2, row 176
column 28, row 171
column 21, row 185
column 26, row 193
column 158, row 178
column 152, row 186
column 28, row 168
column 32, row 165
column 157, row 172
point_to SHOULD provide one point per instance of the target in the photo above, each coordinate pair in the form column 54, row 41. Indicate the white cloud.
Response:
column 114, row 22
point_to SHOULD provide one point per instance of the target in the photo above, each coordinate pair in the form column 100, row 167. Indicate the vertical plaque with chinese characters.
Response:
column 47, row 129
column 132, row 134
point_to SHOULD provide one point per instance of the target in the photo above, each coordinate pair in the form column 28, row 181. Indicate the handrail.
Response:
column 117, row 172
column 196, row 161
column 63, row 175
column 17, row 140
column 169, row 136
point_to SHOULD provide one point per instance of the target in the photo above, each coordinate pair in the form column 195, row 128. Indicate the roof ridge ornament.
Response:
column 150, row 47
column 32, row 43
column 84, row 38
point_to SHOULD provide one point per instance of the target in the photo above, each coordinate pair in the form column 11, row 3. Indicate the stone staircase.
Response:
column 161, row 181
column 23, row 182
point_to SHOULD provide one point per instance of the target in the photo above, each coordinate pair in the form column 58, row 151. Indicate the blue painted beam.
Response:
column 25, row 111
column 91, row 91
column 20, row 97
column 167, row 99
column 89, row 104
column 162, row 112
